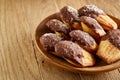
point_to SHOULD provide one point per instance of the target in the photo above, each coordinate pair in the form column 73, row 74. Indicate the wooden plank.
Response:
column 17, row 55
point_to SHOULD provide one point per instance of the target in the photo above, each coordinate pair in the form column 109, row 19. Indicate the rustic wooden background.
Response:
column 19, row 58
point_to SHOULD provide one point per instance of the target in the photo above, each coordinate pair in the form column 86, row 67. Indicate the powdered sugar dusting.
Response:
column 49, row 34
column 71, row 9
column 94, row 8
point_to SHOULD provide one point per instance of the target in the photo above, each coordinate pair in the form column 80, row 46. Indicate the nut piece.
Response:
column 92, row 27
column 74, row 54
column 70, row 17
column 109, row 48
column 84, row 40
column 49, row 40
column 98, row 14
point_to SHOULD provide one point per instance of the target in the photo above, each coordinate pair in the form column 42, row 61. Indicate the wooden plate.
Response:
column 99, row 67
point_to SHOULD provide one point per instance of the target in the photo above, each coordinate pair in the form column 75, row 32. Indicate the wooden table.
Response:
column 19, row 58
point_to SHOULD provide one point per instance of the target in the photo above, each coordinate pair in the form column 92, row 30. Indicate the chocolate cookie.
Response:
column 48, row 41
column 109, row 48
column 57, row 25
column 70, row 17
column 74, row 54
column 84, row 40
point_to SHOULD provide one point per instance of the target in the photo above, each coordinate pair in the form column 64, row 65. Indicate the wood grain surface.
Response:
column 19, row 58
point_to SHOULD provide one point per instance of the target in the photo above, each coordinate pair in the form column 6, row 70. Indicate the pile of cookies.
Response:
column 81, row 34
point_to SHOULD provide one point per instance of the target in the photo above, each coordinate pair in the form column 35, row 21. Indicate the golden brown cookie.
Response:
column 84, row 40
column 58, row 26
column 74, row 54
column 92, row 27
column 48, row 41
column 109, row 48
column 98, row 14
column 70, row 17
